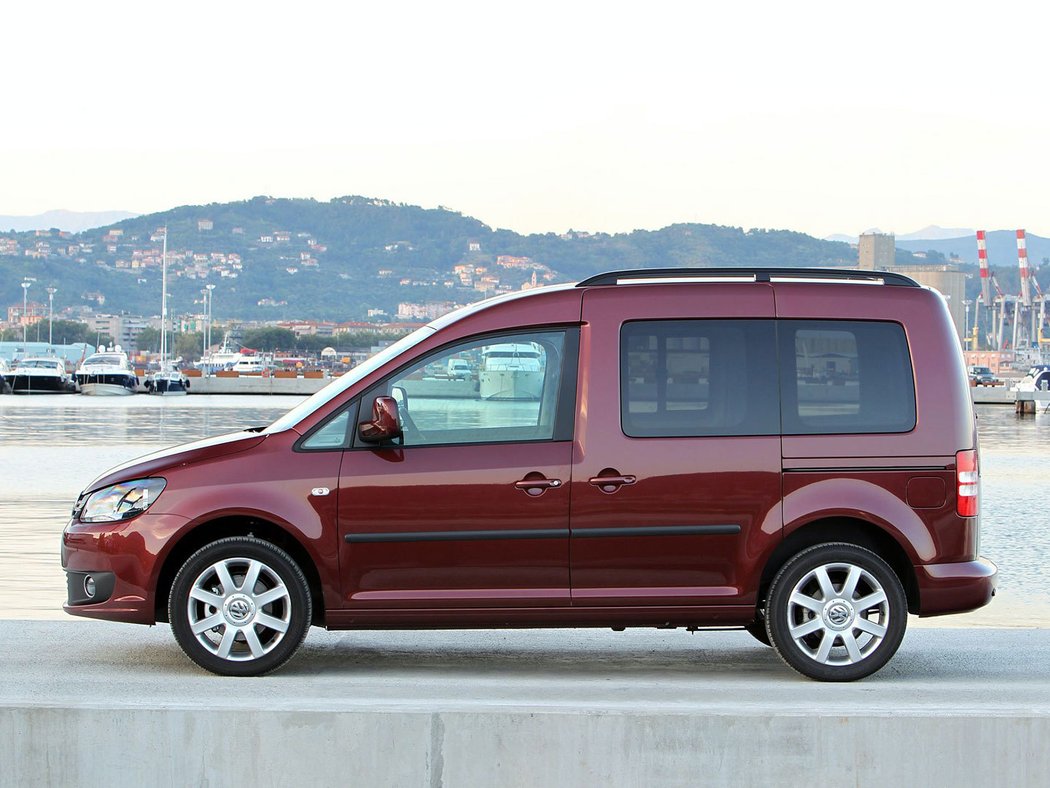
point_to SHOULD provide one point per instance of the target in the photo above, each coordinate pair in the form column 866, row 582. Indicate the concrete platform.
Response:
column 992, row 395
column 90, row 703
column 257, row 385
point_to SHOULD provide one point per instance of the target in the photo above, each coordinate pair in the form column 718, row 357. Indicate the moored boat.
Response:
column 511, row 371
column 168, row 381
column 220, row 360
column 251, row 365
column 107, row 373
column 40, row 375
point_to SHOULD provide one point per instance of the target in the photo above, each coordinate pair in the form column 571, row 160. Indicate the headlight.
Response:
column 120, row 501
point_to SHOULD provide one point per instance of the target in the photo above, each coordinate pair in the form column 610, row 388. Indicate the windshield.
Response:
column 37, row 363
column 103, row 360
column 338, row 386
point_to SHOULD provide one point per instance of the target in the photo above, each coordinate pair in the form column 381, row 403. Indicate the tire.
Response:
column 814, row 620
column 254, row 630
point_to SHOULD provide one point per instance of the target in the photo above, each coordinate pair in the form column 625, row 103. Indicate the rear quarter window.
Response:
column 694, row 378
column 844, row 376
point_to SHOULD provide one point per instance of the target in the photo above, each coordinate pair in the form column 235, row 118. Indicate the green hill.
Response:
column 336, row 260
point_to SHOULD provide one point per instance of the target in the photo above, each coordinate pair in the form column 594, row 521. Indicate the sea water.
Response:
column 52, row 446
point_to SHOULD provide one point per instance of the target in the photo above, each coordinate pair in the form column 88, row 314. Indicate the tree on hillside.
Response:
column 312, row 343
column 148, row 340
column 357, row 340
column 67, row 332
column 188, row 346
column 269, row 339
column 63, row 332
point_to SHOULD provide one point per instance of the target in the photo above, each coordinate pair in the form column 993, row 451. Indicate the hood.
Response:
column 155, row 463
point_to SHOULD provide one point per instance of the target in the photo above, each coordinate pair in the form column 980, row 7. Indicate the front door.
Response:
column 676, row 475
column 470, row 508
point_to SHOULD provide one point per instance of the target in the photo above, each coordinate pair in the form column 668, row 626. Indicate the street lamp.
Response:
column 204, row 324
column 211, row 289
column 50, row 310
column 26, row 283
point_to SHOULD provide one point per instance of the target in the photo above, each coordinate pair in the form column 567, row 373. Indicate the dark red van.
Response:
column 788, row 451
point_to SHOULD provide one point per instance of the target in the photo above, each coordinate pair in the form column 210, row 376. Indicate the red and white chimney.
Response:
column 982, row 260
column 1022, row 263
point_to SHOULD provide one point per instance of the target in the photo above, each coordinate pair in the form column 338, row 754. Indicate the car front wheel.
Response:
column 836, row 612
column 240, row 606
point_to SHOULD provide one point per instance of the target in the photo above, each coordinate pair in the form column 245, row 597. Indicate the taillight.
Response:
column 967, row 483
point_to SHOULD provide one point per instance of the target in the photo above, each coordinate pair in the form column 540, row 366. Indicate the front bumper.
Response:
column 956, row 587
column 125, row 560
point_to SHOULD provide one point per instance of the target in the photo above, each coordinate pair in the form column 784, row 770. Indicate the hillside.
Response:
column 280, row 258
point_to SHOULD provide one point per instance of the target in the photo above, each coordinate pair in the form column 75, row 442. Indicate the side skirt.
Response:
column 533, row 618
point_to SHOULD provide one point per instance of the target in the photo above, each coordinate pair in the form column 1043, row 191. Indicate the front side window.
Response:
column 688, row 378
column 505, row 388
column 845, row 377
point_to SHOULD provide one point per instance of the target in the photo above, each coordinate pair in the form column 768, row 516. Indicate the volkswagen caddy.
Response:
column 791, row 452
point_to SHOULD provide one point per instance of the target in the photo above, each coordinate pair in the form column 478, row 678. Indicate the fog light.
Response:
column 89, row 587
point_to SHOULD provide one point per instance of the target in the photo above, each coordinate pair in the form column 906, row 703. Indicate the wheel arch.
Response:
column 211, row 531
column 852, row 531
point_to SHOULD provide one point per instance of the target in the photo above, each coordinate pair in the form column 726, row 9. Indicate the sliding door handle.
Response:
column 612, row 482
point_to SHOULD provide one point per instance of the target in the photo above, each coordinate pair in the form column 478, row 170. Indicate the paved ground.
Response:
column 954, row 672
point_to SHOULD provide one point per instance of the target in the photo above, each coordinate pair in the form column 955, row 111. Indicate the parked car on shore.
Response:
column 791, row 452
column 983, row 376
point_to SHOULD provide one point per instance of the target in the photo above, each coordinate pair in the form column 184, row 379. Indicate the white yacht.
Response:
column 251, row 365
column 222, row 359
column 107, row 373
column 40, row 375
column 511, row 371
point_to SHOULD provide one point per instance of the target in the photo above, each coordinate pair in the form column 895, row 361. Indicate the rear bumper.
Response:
column 955, row 588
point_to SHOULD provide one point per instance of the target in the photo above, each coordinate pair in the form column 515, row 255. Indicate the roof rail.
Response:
column 745, row 274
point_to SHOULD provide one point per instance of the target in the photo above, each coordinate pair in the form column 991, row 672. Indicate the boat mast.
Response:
column 164, row 301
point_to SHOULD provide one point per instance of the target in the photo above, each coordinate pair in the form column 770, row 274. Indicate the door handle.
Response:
column 610, row 484
column 537, row 486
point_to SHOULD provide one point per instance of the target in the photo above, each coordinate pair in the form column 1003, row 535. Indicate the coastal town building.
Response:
column 124, row 329
column 877, row 251
column 33, row 313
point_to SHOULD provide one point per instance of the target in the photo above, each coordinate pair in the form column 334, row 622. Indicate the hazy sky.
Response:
column 819, row 117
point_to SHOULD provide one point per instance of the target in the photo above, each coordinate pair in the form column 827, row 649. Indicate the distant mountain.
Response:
column 71, row 221
column 274, row 258
column 935, row 233
column 1002, row 248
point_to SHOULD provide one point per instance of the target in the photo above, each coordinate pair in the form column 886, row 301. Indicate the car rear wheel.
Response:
column 836, row 612
column 240, row 607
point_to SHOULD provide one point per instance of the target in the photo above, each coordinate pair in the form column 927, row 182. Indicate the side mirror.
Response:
column 385, row 424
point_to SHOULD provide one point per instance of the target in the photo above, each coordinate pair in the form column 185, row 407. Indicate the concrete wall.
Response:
column 257, row 385
column 949, row 281
column 147, row 746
